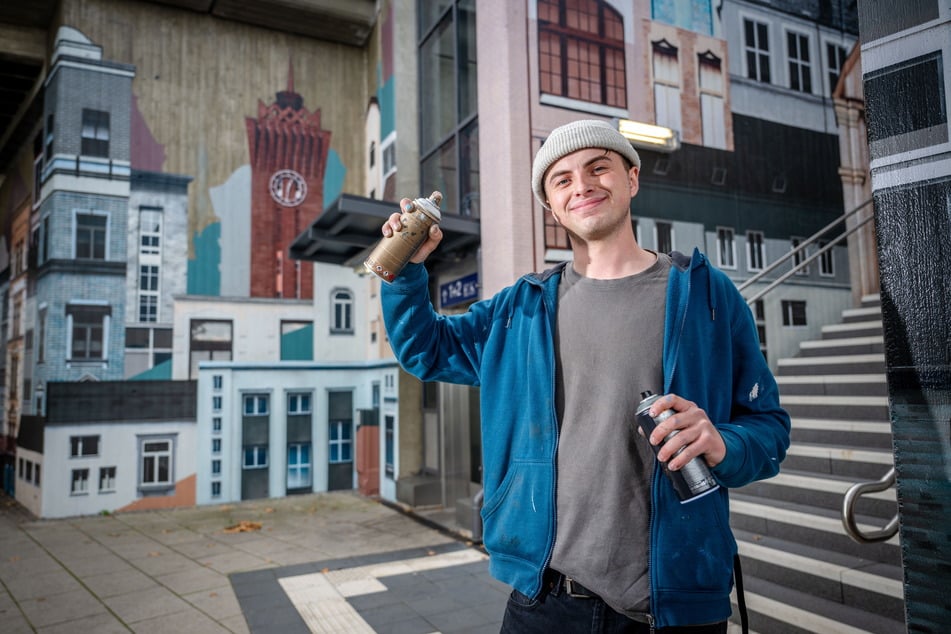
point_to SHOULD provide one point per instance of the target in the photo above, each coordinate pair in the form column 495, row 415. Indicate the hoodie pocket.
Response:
column 695, row 546
column 517, row 518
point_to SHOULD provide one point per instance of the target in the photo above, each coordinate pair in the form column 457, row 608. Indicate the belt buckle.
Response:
column 569, row 590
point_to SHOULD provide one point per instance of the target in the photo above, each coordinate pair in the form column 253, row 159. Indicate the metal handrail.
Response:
column 802, row 247
column 848, row 511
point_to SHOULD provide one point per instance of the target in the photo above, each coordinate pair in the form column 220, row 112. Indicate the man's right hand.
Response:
column 393, row 224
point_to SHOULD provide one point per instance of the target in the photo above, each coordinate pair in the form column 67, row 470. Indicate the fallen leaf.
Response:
column 243, row 526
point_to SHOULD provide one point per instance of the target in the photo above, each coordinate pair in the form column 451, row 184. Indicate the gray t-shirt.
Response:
column 609, row 347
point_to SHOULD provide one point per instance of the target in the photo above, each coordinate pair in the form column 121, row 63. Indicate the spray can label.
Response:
column 691, row 481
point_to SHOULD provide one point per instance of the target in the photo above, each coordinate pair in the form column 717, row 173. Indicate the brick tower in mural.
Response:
column 288, row 152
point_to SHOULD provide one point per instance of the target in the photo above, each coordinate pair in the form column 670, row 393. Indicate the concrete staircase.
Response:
column 802, row 573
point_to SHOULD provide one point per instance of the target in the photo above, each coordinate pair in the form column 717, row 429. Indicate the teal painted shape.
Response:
column 387, row 98
column 333, row 178
column 298, row 345
column 204, row 275
column 160, row 372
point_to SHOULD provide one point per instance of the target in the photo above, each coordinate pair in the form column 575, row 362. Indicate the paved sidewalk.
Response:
column 334, row 562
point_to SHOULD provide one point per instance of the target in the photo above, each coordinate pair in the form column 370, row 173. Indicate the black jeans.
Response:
column 557, row 611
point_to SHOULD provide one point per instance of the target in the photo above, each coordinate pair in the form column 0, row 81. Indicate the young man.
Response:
column 578, row 516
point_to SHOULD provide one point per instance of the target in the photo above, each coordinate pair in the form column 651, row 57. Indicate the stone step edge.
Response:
column 842, row 453
column 826, row 524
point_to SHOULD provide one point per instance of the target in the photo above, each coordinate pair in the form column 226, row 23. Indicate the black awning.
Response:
column 349, row 228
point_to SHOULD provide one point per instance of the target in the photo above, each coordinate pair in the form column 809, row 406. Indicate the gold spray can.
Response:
column 391, row 254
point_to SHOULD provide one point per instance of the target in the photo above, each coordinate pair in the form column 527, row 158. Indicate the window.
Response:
column 150, row 231
column 255, row 457
column 756, row 50
column 156, row 462
column 794, row 313
column 726, row 248
column 666, row 85
column 107, row 479
column 664, row 238
column 217, row 382
column 341, row 306
column 216, row 489
column 95, row 133
column 799, row 257
column 341, row 441
column 759, row 316
column 581, row 51
column 148, row 293
column 81, row 446
column 826, row 260
column 216, row 467
column 298, row 403
column 216, row 403
column 150, row 261
column 906, row 106
column 298, row 466
column 80, row 482
column 755, row 251
column 41, row 335
column 255, row 405
column 210, row 341
column 711, row 100
column 36, row 475
column 216, row 424
column 797, row 52
column 48, row 142
column 389, row 157
column 216, row 446
column 372, row 153
column 389, row 443
column 91, row 236
column 448, row 99
column 835, row 60
column 87, row 326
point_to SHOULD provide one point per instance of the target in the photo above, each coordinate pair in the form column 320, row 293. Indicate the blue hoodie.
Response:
column 505, row 344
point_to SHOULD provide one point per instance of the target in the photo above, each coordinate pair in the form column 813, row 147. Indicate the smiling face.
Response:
column 589, row 193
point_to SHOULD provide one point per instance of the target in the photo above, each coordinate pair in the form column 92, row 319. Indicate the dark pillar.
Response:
column 905, row 72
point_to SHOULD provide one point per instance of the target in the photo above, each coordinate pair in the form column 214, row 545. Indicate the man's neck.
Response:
column 611, row 261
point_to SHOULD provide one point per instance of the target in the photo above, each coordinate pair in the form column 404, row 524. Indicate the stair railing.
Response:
column 848, row 511
column 800, row 249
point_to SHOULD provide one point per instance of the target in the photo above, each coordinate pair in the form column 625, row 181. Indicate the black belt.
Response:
column 556, row 583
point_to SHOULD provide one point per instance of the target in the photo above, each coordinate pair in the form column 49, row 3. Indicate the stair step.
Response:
column 834, row 364
column 806, row 524
column 861, row 464
column 826, row 491
column 854, row 581
column 778, row 609
column 856, row 433
column 853, row 329
column 862, row 313
column 837, row 384
column 843, row 345
column 872, row 408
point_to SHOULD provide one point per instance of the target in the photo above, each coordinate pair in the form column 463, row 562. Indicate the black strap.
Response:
column 740, row 598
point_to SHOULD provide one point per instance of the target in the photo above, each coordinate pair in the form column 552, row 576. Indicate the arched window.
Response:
column 341, row 311
column 581, row 51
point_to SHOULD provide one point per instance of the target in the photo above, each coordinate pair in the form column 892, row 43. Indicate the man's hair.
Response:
column 574, row 136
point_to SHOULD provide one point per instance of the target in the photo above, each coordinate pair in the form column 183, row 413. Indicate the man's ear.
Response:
column 633, row 178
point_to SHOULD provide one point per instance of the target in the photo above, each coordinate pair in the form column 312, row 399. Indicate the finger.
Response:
column 435, row 237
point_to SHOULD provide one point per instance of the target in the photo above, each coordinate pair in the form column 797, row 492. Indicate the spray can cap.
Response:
column 430, row 206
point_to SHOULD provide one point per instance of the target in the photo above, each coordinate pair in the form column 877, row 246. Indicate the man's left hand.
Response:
column 696, row 433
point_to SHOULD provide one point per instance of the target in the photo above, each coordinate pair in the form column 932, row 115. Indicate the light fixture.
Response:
column 649, row 137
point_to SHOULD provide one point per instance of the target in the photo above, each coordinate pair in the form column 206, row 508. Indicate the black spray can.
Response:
column 694, row 479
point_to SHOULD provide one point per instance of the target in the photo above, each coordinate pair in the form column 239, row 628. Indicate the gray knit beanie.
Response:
column 574, row 136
